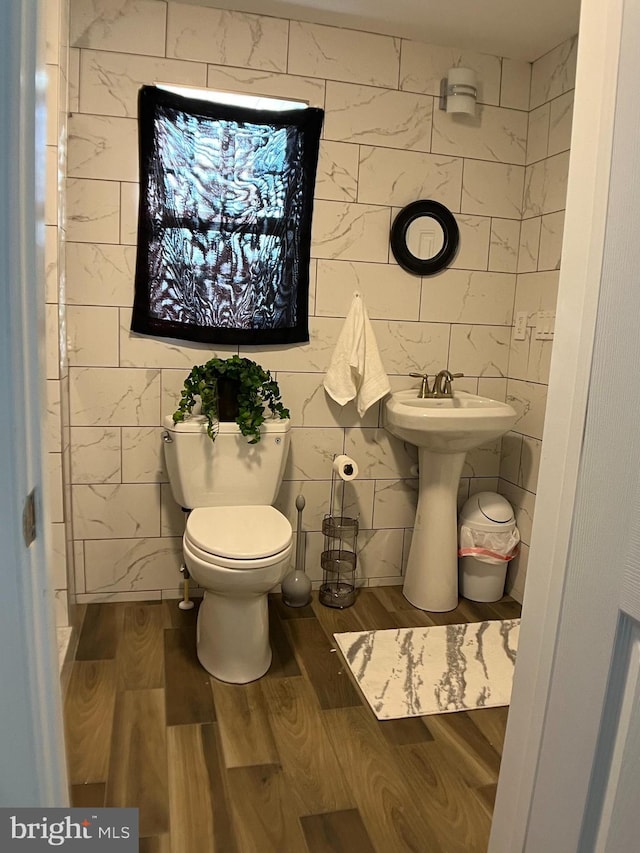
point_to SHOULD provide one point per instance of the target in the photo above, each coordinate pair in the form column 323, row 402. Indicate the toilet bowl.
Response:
column 237, row 554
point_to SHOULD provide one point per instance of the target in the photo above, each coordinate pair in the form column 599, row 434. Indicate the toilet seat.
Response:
column 238, row 536
column 213, row 560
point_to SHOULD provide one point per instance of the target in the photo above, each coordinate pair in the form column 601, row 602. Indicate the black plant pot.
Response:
column 228, row 408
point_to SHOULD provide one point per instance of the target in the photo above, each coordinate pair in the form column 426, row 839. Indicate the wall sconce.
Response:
column 458, row 91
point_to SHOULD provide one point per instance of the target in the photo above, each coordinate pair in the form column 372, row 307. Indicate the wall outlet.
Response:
column 520, row 328
column 545, row 326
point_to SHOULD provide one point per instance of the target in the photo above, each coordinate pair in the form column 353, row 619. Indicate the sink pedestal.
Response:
column 431, row 580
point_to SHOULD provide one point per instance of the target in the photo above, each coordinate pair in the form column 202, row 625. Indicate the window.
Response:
column 224, row 226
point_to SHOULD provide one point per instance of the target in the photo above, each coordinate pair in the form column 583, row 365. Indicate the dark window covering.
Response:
column 224, row 225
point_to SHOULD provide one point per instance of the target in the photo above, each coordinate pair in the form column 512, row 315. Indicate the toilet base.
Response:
column 233, row 637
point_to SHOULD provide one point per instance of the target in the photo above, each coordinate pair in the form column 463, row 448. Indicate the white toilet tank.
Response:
column 228, row 471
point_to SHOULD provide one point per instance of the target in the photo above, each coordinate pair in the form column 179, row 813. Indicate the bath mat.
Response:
column 411, row 672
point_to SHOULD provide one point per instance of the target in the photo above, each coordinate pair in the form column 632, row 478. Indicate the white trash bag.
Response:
column 489, row 546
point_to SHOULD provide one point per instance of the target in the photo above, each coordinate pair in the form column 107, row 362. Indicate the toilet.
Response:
column 236, row 545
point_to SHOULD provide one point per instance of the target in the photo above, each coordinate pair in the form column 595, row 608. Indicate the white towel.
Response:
column 356, row 369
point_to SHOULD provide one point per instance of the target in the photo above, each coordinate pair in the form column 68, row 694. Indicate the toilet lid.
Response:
column 239, row 532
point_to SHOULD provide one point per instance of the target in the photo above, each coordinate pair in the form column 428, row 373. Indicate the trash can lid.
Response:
column 487, row 506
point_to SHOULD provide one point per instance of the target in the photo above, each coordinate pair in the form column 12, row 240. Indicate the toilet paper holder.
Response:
column 345, row 468
column 339, row 556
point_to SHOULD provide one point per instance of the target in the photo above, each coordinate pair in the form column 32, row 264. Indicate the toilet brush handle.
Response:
column 300, row 537
column 300, row 549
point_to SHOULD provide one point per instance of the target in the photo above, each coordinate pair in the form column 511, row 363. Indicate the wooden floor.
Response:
column 293, row 763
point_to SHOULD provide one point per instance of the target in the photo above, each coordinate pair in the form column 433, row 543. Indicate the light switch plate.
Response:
column 545, row 326
column 520, row 328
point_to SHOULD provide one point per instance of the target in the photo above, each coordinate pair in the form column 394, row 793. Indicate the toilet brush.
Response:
column 296, row 586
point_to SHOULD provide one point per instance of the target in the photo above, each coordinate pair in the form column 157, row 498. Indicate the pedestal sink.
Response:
column 443, row 429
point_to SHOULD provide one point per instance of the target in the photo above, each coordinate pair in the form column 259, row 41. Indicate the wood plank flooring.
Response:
column 293, row 763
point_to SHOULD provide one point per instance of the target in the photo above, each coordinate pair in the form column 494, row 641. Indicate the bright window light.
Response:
column 256, row 102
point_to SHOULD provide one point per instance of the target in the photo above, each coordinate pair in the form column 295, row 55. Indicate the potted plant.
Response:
column 231, row 389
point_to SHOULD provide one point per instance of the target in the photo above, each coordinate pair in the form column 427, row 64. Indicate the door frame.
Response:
column 550, row 587
column 31, row 739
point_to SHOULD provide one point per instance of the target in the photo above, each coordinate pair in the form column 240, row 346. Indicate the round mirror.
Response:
column 424, row 237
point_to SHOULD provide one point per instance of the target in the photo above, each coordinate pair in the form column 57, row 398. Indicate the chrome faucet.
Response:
column 442, row 383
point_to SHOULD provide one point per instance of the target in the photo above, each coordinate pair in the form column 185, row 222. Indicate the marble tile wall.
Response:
column 543, row 203
column 57, row 436
column 385, row 143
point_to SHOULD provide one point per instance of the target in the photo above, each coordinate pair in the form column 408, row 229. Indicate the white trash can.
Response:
column 488, row 539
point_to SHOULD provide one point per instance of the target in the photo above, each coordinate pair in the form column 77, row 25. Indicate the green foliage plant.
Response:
column 257, row 390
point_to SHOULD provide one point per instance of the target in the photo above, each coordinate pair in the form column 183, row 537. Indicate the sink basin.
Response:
column 447, row 425
column 443, row 429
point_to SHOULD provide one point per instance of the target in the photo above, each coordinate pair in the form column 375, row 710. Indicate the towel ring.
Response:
column 417, row 245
